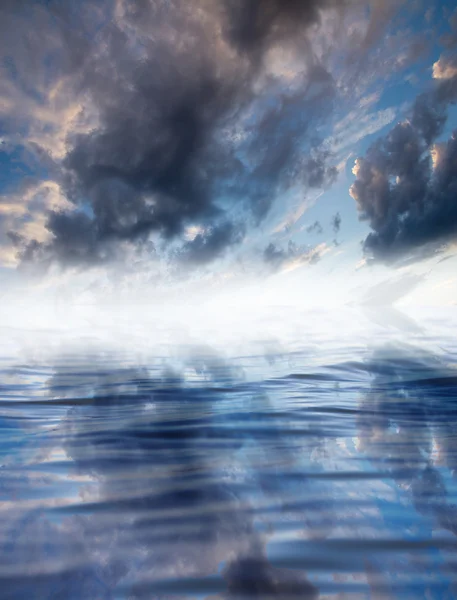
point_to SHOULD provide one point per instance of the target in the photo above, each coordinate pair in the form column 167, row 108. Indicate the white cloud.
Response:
column 356, row 125
column 445, row 68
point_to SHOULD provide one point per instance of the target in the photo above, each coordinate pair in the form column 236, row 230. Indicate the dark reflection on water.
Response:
column 191, row 478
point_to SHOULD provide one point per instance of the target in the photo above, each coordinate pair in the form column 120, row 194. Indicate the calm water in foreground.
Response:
column 323, row 466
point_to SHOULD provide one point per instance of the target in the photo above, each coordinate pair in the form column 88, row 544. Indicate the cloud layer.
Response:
column 147, row 121
column 174, row 120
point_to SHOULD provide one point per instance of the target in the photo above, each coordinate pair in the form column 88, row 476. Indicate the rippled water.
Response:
column 317, row 469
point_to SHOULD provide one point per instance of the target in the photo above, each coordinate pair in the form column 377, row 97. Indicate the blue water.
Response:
column 319, row 470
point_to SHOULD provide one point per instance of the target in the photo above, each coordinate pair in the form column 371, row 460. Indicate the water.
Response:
column 318, row 466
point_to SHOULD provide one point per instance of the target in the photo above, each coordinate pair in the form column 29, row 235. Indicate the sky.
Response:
column 303, row 145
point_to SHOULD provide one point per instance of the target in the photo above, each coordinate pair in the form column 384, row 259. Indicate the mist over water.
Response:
column 282, row 454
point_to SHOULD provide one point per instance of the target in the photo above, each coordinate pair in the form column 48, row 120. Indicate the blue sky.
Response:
column 186, row 140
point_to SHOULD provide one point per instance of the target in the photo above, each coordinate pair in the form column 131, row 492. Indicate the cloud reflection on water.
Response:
column 188, row 476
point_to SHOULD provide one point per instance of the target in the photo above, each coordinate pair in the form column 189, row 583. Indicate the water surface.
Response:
column 320, row 468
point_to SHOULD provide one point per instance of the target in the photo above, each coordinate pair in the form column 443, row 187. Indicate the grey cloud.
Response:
column 209, row 245
column 381, row 12
column 276, row 257
column 408, row 202
column 316, row 227
column 384, row 49
column 319, row 174
column 449, row 40
column 336, row 222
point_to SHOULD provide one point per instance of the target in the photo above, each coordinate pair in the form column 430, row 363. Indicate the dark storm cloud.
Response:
column 170, row 87
column 252, row 24
column 406, row 184
column 74, row 241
